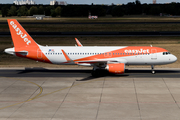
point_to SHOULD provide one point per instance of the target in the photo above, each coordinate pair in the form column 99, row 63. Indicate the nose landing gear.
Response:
column 152, row 68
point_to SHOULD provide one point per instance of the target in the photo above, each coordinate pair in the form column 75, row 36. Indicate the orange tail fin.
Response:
column 19, row 35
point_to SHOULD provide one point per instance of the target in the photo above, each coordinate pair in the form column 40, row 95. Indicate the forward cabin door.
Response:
column 154, row 54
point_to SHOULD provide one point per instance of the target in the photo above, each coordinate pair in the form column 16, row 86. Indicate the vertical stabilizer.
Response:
column 19, row 35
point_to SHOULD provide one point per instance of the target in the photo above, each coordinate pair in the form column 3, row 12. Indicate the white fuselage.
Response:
column 55, row 55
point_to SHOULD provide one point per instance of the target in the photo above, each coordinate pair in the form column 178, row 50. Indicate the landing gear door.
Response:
column 153, row 54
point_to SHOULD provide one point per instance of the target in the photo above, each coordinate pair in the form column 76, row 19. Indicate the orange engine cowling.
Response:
column 116, row 68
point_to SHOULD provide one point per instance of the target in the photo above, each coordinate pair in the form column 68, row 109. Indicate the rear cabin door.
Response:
column 39, row 54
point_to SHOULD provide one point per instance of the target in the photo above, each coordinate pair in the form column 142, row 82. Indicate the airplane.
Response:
column 113, row 59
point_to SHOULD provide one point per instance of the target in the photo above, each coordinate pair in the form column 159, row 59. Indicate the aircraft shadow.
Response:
column 44, row 70
column 40, row 69
column 85, row 73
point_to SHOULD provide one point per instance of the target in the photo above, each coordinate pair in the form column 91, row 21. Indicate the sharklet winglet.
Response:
column 78, row 43
column 67, row 57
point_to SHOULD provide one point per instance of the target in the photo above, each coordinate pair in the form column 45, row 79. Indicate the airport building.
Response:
column 26, row 2
column 54, row 2
column 154, row 1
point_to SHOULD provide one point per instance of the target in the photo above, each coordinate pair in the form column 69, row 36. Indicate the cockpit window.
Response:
column 166, row 53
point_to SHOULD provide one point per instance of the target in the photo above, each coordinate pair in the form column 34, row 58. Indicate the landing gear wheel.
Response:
column 94, row 73
column 153, row 72
column 97, row 73
column 152, row 68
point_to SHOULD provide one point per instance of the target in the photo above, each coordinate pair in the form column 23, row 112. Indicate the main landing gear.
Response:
column 96, row 72
column 152, row 68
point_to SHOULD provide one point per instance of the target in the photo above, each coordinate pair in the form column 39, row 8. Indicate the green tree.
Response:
column 75, row 11
column 98, row 10
column 22, row 11
column 4, row 11
column 155, row 10
column 12, row 11
column 117, row 11
column 53, row 13
column 138, row 7
column 48, row 10
column 58, row 11
column 33, row 11
column 130, row 8
column 138, row 2
column 41, row 10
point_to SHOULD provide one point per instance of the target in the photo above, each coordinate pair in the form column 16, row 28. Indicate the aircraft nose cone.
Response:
column 174, row 58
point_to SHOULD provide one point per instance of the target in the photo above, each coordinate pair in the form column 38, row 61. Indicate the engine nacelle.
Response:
column 116, row 68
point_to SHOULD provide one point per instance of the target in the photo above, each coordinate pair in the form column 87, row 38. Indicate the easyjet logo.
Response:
column 137, row 51
column 20, row 33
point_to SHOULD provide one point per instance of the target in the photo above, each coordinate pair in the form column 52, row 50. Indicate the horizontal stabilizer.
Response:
column 23, row 53
column 12, row 52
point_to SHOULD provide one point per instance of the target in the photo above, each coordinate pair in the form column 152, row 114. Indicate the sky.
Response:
column 93, row 1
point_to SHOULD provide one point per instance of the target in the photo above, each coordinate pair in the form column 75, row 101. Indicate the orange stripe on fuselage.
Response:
column 127, row 51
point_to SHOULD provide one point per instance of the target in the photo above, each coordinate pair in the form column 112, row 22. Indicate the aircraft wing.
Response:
column 98, row 61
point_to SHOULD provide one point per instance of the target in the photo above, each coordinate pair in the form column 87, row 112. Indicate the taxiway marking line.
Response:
column 41, row 90
column 66, row 88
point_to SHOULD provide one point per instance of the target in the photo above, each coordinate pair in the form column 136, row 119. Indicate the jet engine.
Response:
column 116, row 68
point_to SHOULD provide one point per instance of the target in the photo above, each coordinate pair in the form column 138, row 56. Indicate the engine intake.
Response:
column 116, row 68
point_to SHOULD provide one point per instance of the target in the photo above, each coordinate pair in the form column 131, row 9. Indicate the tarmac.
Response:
column 72, row 94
